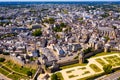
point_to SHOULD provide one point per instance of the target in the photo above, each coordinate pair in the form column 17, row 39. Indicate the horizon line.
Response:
column 65, row 1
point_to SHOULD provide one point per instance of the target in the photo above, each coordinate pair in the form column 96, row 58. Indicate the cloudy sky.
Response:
column 59, row 0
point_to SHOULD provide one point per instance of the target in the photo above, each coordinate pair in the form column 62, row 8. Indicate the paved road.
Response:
column 113, row 76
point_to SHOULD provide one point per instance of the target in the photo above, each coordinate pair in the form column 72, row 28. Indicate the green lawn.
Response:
column 113, row 60
column 86, row 72
column 14, row 71
column 100, row 61
column 59, row 76
column 71, row 76
column 5, row 68
column 17, row 77
column 73, row 65
column 103, row 53
column 70, row 71
column 82, row 68
column 18, row 68
column 4, row 72
column 95, row 68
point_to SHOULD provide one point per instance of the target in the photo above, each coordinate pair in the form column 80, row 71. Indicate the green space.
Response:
column 71, row 76
column 88, row 50
column 82, row 68
column 70, row 71
column 57, row 76
column 92, row 77
column 73, row 65
column 18, row 68
column 7, row 35
column 5, row 68
column 60, row 27
column 15, row 71
column 50, row 20
column 103, row 54
column 107, row 68
column 60, row 77
column 15, row 76
column 4, row 72
column 113, row 60
column 37, row 32
column 104, row 59
column 95, row 67
column 100, row 61
column 2, row 59
column 86, row 72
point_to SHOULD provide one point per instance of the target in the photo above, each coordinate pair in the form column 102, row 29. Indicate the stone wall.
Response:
column 19, row 62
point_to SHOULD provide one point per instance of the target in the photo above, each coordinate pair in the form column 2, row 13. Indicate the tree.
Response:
column 87, row 50
column 2, row 59
column 37, row 32
column 107, row 68
column 54, row 77
column 6, row 53
column 114, row 27
column 57, row 29
column 51, row 20
column 107, row 38
column 1, row 51
column 29, row 73
column 63, row 25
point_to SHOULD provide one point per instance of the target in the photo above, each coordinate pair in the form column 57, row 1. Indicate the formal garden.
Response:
column 97, row 65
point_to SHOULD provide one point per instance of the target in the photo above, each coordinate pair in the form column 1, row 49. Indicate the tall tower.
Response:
column 106, row 48
column 81, row 58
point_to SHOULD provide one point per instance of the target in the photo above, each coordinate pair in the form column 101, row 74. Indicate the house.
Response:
column 36, row 53
column 60, row 51
column 49, row 55
column 74, row 47
column 35, row 26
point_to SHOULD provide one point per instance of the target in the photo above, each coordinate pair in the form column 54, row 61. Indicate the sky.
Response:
column 58, row 0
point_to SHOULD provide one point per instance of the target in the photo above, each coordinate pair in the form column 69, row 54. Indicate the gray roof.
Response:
column 105, row 29
column 50, row 56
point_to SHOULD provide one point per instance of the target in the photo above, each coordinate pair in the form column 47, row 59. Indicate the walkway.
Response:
column 4, row 77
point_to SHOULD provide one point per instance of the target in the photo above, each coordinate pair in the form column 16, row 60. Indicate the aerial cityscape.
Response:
column 60, row 40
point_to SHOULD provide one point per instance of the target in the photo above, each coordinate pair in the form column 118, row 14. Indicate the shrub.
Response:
column 107, row 68
column 54, row 77
column 37, row 32
column 2, row 59
column 29, row 73
column 6, row 53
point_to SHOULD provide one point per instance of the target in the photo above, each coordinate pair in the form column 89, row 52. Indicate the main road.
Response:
column 113, row 76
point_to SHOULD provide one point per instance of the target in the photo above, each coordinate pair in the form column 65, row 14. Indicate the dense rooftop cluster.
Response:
column 55, row 34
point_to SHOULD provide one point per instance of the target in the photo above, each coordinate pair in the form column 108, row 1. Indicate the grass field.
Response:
column 14, row 71
column 4, row 72
column 73, row 65
column 60, row 76
column 18, row 68
column 102, row 54
column 95, row 68
column 99, row 60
